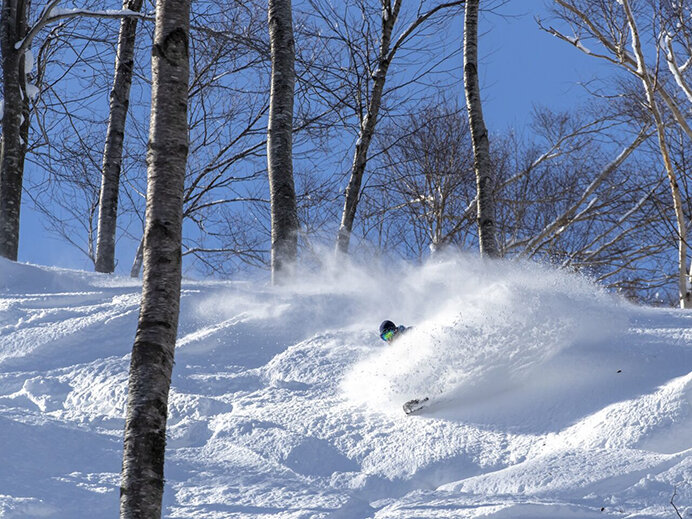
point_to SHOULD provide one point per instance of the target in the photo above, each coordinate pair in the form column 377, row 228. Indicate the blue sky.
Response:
column 521, row 66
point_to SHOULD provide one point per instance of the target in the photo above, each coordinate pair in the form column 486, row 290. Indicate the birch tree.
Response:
column 113, row 149
column 372, row 88
column 15, row 122
column 284, row 216
column 615, row 28
column 577, row 189
column 17, row 37
column 227, row 166
column 152, row 354
column 576, row 209
column 649, row 89
column 426, row 182
column 485, row 177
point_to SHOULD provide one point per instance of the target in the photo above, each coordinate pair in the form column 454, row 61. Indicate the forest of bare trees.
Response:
column 367, row 143
column 378, row 156
column 356, row 138
column 350, row 103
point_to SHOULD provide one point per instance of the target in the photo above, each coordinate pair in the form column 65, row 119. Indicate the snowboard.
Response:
column 415, row 405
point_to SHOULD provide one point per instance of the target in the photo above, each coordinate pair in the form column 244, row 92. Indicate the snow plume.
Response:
column 479, row 328
column 482, row 328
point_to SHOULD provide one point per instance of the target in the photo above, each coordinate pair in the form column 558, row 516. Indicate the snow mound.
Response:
column 27, row 279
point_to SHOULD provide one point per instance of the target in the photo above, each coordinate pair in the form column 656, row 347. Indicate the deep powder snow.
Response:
column 549, row 397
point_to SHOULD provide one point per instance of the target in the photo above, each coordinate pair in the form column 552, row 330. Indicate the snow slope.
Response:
column 550, row 398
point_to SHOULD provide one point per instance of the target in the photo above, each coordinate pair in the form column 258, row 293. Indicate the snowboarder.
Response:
column 390, row 331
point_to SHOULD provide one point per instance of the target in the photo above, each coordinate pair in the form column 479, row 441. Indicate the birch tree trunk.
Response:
column 15, row 124
column 284, row 213
column 152, row 354
column 685, row 297
column 485, row 177
column 113, row 149
column 367, row 128
column 613, row 41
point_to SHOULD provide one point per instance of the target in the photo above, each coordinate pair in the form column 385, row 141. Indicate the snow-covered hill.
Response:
column 549, row 397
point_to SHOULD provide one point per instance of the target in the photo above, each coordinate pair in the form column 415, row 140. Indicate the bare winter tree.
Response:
column 113, row 150
column 17, row 38
column 615, row 27
column 73, row 74
column 284, row 216
column 152, row 354
column 571, row 213
column 370, row 91
column 650, row 90
column 419, row 195
column 15, row 122
column 227, row 196
column 390, row 14
column 485, row 177
column 594, row 206
column 227, row 123
column 576, row 189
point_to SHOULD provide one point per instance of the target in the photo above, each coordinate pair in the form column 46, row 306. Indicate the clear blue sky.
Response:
column 521, row 66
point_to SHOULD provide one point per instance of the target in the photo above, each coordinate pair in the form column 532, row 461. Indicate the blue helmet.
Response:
column 388, row 330
column 387, row 326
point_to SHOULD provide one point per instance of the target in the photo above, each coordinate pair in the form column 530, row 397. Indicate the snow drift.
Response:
column 551, row 398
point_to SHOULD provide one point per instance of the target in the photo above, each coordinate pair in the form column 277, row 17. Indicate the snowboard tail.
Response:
column 415, row 405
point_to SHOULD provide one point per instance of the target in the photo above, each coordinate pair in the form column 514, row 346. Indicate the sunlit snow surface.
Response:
column 549, row 397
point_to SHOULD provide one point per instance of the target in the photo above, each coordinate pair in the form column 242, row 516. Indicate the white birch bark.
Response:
column 15, row 124
column 634, row 62
column 15, row 40
column 623, row 59
column 152, row 354
column 485, row 176
column 284, row 213
column 113, row 149
column 683, row 292
column 139, row 259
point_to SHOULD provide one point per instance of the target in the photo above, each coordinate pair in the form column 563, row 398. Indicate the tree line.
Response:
column 368, row 76
column 261, row 112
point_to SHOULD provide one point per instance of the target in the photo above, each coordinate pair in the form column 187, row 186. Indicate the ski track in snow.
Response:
column 549, row 398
